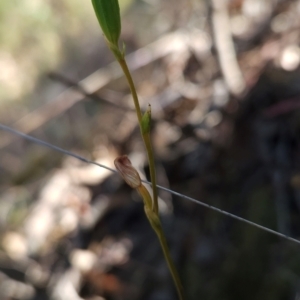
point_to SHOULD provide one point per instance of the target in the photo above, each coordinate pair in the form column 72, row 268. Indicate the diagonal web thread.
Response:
column 66, row 152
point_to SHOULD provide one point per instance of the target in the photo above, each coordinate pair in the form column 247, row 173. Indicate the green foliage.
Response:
column 108, row 14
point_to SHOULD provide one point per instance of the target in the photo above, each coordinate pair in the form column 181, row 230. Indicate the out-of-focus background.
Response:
column 223, row 81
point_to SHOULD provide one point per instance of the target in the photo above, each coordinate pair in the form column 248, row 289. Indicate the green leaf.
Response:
column 146, row 121
column 108, row 14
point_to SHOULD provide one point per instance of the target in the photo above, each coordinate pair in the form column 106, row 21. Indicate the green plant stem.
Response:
column 170, row 263
column 156, row 225
column 151, row 207
column 147, row 141
column 146, row 136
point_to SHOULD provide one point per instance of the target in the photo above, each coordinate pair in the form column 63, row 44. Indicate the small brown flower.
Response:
column 127, row 171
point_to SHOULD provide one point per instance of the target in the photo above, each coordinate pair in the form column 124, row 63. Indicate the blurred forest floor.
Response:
column 222, row 78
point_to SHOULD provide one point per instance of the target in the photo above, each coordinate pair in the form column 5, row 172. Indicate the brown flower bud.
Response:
column 127, row 171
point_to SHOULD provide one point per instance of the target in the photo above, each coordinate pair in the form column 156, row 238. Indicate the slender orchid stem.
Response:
column 146, row 136
column 156, row 225
column 172, row 268
column 108, row 14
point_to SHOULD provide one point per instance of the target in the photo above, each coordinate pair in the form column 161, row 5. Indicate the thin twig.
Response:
column 66, row 152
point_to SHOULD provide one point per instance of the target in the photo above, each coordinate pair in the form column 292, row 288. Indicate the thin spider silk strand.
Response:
column 223, row 212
